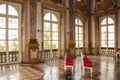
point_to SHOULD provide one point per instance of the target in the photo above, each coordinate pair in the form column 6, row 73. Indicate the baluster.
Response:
column 46, row 54
column 53, row 53
column 56, row 52
column 9, row 57
column 5, row 57
column 0, row 58
column 49, row 53
column 12, row 57
column 16, row 56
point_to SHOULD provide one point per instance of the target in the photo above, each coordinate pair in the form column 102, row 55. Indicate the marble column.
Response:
column 71, row 44
column 33, row 51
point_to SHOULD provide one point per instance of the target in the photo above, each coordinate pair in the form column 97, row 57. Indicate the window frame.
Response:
column 107, row 31
column 18, row 17
column 79, row 33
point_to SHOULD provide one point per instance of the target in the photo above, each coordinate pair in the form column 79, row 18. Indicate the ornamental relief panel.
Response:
column 105, row 5
column 81, row 5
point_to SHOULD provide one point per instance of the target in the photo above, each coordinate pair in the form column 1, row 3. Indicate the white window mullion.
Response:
column 51, row 36
column 19, row 34
column 7, row 52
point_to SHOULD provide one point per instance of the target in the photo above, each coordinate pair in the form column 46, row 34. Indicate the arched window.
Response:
column 78, row 33
column 9, row 32
column 107, row 35
column 107, row 32
column 51, row 33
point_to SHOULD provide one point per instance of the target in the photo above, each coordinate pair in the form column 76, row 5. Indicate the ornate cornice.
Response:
column 57, row 1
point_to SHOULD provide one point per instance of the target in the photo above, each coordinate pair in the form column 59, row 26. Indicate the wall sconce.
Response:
column 38, row 30
column 68, row 32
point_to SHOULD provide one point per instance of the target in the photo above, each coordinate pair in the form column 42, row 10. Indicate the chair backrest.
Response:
column 68, row 60
column 87, row 62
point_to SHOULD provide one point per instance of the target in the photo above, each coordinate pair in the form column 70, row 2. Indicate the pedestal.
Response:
column 33, row 51
column 71, row 50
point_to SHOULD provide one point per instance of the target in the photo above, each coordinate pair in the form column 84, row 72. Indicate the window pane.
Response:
column 104, row 22
column 79, row 33
column 2, row 22
column 76, row 37
column 80, row 43
column 80, row 22
column 2, row 46
column 111, row 36
column 12, row 10
column 2, row 34
column 13, row 45
column 13, row 34
column 80, row 29
column 76, row 29
column 47, row 36
column 54, row 44
column 107, row 32
column 54, row 18
column 47, row 45
column 80, row 37
column 54, row 27
column 110, row 43
column 111, row 28
column 2, row 8
column 103, row 29
column 47, row 17
column 76, row 21
column 104, row 37
column 76, row 44
column 13, row 23
column 46, row 26
column 110, row 21
column 54, row 35
column 103, row 44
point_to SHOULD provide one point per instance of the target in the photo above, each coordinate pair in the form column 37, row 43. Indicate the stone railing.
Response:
column 12, row 57
column 78, row 51
column 51, row 54
column 107, row 51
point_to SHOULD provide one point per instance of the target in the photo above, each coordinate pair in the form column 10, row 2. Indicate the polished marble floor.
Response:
column 104, row 68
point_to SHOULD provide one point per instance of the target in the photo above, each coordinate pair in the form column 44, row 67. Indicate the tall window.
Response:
column 9, row 31
column 51, row 31
column 107, row 32
column 78, row 33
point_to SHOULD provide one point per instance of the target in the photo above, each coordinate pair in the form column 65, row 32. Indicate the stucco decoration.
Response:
column 81, row 5
column 118, row 3
column 105, row 4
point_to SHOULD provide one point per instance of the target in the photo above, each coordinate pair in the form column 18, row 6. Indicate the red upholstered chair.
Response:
column 68, row 63
column 87, row 64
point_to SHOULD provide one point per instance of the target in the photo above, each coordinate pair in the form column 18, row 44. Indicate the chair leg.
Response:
column 72, row 70
column 91, row 72
column 83, row 71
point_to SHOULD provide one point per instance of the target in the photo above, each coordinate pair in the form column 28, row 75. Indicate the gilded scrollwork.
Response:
column 104, row 5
